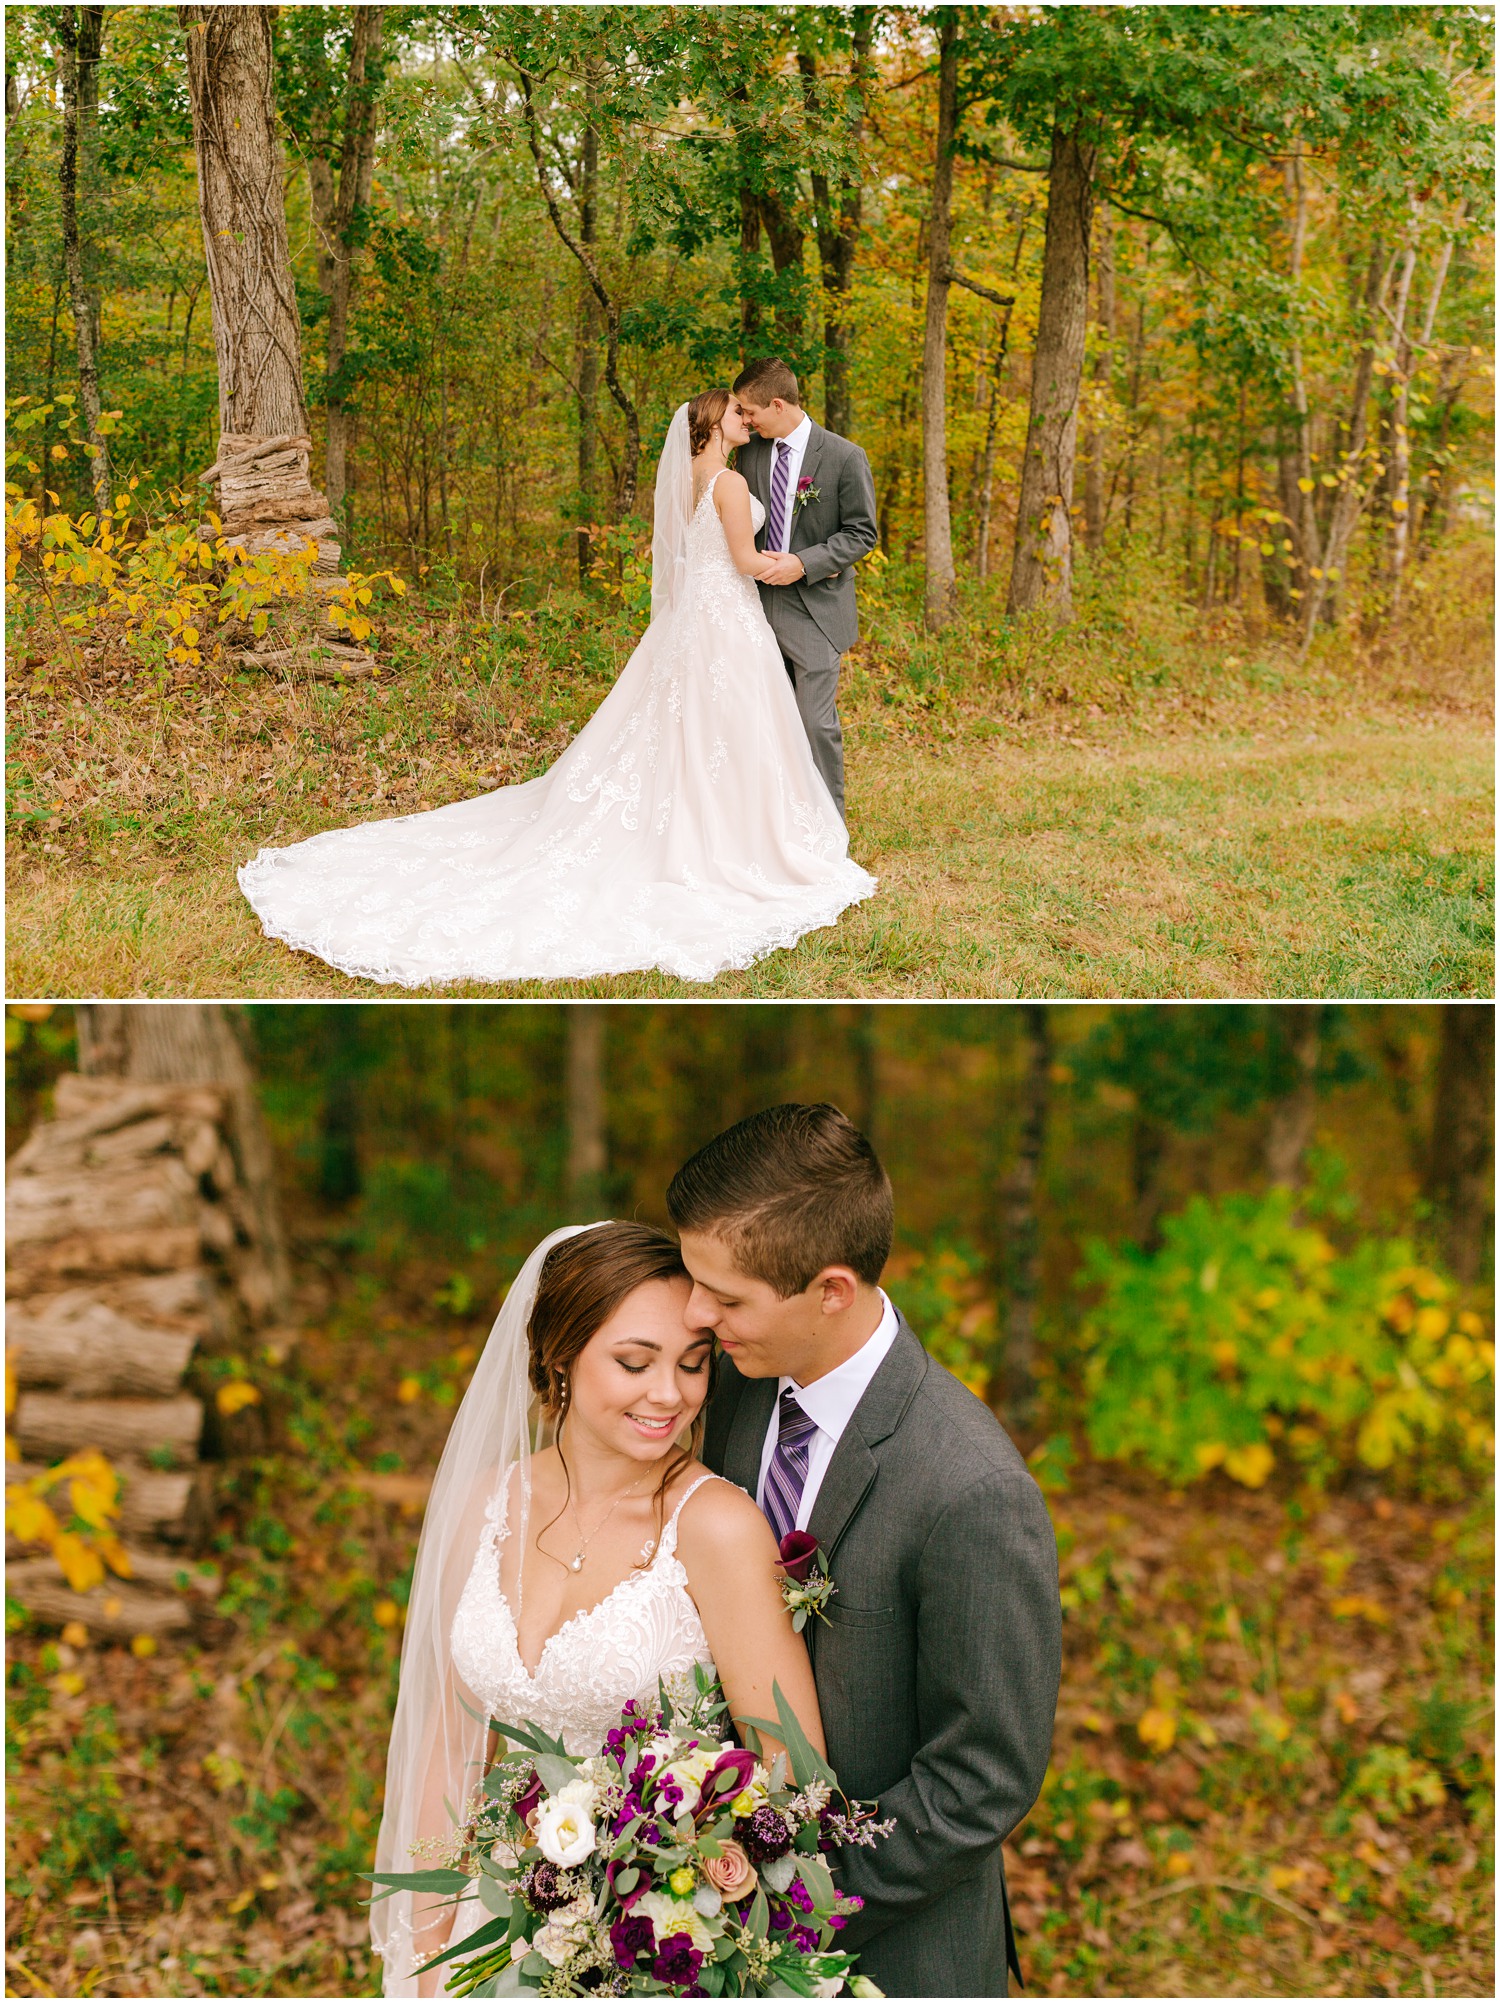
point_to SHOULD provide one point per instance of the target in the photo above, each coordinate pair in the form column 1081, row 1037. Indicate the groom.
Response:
column 819, row 498
column 939, row 1660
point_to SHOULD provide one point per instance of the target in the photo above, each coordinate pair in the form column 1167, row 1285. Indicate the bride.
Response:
column 557, row 1586
column 685, row 828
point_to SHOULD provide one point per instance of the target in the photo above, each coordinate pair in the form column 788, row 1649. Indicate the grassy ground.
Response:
column 1314, row 1818
column 1155, row 803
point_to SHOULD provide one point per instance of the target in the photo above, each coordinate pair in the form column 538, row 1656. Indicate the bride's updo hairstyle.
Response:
column 583, row 1280
column 704, row 412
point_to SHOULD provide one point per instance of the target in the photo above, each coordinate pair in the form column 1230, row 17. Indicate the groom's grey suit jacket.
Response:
column 938, row 1667
column 830, row 535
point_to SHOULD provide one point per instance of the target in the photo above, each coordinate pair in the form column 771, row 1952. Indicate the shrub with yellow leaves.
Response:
column 81, row 1538
column 1252, row 1338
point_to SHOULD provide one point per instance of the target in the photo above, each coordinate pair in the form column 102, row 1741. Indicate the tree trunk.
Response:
column 589, row 329
column 588, row 1158
column 1461, row 1152
column 1400, row 468
column 785, row 235
column 1429, row 321
column 749, row 258
column 1042, row 571
column 941, row 592
column 1095, row 499
column 80, row 35
column 838, row 239
column 266, row 498
column 1348, row 500
column 1148, row 1149
column 630, row 464
column 338, row 1124
column 865, row 1052
column 344, row 229
column 194, row 1044
column 1022, row 1231
column 1297, row 484
column 1292, row 1115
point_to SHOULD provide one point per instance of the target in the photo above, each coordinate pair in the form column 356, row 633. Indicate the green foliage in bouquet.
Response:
column 1250, row 1335
column 670, row 1863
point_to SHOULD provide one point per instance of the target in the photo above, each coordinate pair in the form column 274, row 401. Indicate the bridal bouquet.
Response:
column 669, row 1864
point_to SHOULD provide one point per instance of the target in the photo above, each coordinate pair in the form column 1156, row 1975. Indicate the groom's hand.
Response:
column 784, row 568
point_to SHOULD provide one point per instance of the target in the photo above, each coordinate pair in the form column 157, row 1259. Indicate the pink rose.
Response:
column 731, row 1873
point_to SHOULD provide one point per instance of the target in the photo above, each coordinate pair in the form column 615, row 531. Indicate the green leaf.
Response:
column 626, row 1881
column 555, row 1772
column 758, row 1919
column 495, row 1898
column 420, row 1881
column 492, row 1930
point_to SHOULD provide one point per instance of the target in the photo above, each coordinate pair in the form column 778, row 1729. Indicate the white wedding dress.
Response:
column 646, row 1631
column 686, row 827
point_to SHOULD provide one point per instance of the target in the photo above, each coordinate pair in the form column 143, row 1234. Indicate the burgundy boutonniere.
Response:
column 806, row 492
column 805, row 1585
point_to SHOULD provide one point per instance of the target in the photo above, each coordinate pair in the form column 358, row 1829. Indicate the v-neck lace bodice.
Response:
column 647, row 1629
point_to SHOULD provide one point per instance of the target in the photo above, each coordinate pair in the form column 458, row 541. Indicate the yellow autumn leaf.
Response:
column 69, row 1682
column 29, row 1518
column 75, row 1634
column 242, row 1899
column 1209, row 1453
column 1250, row 1465
column 234, row 1397
column 143, row 1645
column 113, row 1552
column 1157, row 1729
column 408, row 1390
column 1359, row 1606
column 82, row 1567
column 1307, row 485
column 387, row 1613
column 1179, row 1864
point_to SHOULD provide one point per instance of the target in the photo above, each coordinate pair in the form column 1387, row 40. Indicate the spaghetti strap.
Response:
column 668, row 1546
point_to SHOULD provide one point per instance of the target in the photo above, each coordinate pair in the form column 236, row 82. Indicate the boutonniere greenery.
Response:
column 805, row 1585
column 806, row 492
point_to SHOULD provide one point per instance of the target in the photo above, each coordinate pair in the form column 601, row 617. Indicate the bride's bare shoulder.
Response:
column 721, row 1515
column 729, row 486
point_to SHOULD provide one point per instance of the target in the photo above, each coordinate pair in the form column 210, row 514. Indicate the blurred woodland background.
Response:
column 1225, row 1273
column 1167, row 330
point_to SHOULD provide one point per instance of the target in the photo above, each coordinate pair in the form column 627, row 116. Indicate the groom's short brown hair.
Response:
column 790, row 1191
column 767, row 379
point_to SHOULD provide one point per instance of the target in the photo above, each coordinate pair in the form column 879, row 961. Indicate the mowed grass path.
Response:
column 1348, row 859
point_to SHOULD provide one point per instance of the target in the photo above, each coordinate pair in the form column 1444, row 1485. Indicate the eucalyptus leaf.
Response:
column 495, row 1898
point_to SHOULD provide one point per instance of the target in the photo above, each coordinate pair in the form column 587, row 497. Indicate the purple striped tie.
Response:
column 786, row 1477
column 778, row 494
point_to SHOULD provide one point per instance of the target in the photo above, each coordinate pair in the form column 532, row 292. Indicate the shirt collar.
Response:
column 797, row 439
column 830, row 1401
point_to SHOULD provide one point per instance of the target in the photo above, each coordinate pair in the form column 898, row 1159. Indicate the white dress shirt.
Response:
column 829, row 1403
column 797, row 440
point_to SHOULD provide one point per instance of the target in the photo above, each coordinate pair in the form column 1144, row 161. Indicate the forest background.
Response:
column 1225, row 1273
column 1167, row 331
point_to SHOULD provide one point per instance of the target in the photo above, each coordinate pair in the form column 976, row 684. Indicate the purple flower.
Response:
column 805, row 1938
column 641, row 1887
column 677, row 1961
column 524, row 1803
column 539, row 1887
column 798, row 1895
column 798, row 1547
column 763, row 1835
column 736, row 1761
column 631, row 1938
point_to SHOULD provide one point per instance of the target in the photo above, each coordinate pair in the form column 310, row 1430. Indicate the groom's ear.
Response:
column 839, row 1289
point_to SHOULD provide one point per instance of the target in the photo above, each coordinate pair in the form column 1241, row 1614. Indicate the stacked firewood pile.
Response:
column 133, row 1259
column 266, row 500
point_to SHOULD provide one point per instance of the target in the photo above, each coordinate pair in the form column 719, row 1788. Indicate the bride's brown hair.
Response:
column 704, row 412
column 582, row 1281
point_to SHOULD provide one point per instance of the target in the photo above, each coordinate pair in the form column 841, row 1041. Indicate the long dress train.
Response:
column 685, row 828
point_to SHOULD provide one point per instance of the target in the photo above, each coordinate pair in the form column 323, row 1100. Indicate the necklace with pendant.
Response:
column 575, row 1563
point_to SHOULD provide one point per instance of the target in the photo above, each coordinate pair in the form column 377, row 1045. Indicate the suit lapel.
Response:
column 747, row 1432
column 876, row 1416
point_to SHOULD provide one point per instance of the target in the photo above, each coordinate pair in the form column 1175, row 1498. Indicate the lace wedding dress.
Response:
column 685, row 828
column 644, row 1632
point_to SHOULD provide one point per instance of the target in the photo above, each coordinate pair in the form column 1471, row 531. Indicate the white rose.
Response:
column 829, row 1985
column 669, row 1915
column 566, row 1928
column 691, row 1771
column 579, row 1793
column 564, row 1832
